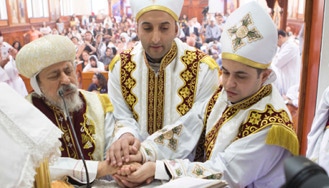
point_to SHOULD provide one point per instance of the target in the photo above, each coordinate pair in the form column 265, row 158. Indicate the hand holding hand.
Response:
column 121, row 149
column 140, row 175
column 104, row 169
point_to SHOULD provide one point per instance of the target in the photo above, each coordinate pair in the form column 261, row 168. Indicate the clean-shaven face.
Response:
column 241, row 81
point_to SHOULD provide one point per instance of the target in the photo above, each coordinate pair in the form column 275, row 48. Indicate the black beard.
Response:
column 150, row 59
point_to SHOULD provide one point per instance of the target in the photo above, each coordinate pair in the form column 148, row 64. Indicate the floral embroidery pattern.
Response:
column 169, row 136
column 230, row 112
column 198, row 170
column 259, row 120
column 127, row 81
column 239, row 33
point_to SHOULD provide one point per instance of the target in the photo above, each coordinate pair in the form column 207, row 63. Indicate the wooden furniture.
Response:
column 27, row 83
column 87, row 79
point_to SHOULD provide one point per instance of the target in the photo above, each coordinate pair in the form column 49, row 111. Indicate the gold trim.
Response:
column 115, row 59
column 128, row 82
column 243, row 60
column 42, row 176
column 229, row 113
column 199, row 154
column 210, row 62
column 156, row 7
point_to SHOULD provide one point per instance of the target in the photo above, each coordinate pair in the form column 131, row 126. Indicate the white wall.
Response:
column 323, row 82
column 81, row 7
column 216, row 6
column 85, row 7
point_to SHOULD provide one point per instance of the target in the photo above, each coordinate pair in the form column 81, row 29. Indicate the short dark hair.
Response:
column 282, row 33
column 93, row 58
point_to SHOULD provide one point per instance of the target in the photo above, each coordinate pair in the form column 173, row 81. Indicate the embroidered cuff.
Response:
column 160, row 171
column 147, row 153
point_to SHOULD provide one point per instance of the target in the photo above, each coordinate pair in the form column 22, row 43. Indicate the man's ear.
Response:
column 266, row 74
column 176, row 28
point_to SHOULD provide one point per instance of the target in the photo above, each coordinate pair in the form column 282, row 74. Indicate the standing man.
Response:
column 249, row 132
column 8, row 71
column 318, row 137
column 286, row 63
column 159, row 83
column 49, row 63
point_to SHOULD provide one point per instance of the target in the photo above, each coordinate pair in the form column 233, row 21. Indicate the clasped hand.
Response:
column 125, row 156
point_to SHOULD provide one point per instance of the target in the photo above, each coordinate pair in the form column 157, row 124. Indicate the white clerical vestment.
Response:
column 246, row 143
column 146, row 101
column 318, row 137
column 287, row 66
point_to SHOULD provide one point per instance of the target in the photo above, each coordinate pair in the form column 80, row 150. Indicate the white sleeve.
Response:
column 286, row 54
column 160, row 171
column 246, row 161
column 315, row 137
column 177, row 140
column 87, row 67
column 109, row 129
column 3, row 75
column 74, row 168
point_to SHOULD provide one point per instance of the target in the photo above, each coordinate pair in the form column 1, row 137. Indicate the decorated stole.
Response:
column 230, row 112
column 281, row 132
column 200, row 155
column 80, row 122
column 156, row 85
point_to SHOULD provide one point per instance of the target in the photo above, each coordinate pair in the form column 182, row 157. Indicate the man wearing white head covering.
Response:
column 160, row 84
column 249, row 132
column 49, row 63
column 318, row 137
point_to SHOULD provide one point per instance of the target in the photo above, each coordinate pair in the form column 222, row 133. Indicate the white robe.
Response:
column 251, row 160
column 318, row 137
column 9, row 73
column 140, row 116
column 287, row 66
column 27, row 137
column 104, row 125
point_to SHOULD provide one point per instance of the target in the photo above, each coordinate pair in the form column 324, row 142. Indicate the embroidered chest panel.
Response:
column 84, row 128
column 259, row 120
column 156, row 85
column 229, row 113
column 199, row 155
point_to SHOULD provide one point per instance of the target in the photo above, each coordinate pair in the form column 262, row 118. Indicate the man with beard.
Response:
column 49, row 63
column 249, row 131
column 159, row 83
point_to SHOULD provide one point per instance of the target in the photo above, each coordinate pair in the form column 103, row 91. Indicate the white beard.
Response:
column 73, row 103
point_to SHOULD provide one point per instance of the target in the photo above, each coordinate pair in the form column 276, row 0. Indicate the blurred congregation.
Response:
column 100, row 33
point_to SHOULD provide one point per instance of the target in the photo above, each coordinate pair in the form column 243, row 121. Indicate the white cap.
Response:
column 250, row 36
column 172, row 7
column 43, row 52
